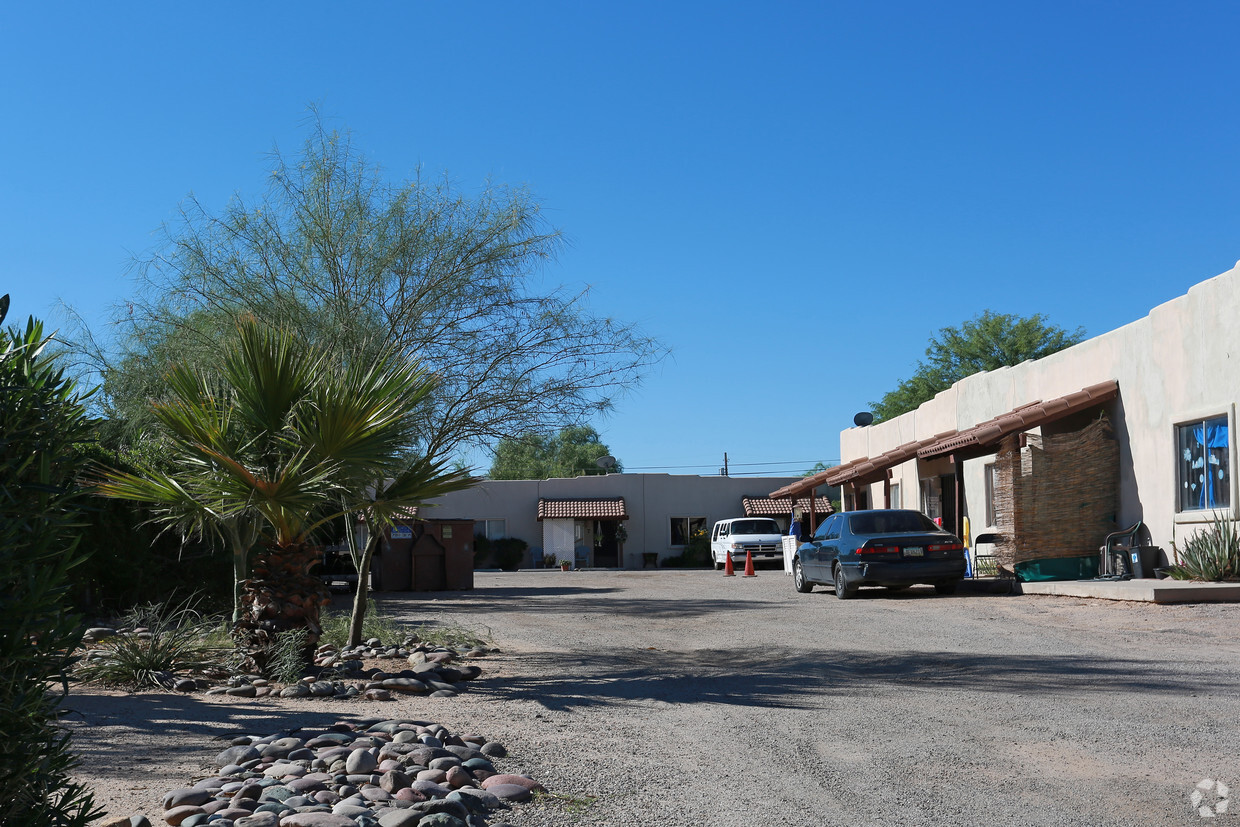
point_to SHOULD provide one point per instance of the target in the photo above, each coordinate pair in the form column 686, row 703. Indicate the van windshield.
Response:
column 754, row 527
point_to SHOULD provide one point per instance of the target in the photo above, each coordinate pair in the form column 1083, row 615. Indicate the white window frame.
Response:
column 1199, row 516
column 486, row 528
column 988, row 476
column 896, row 501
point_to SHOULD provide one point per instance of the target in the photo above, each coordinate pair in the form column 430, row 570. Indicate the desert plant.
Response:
column 175, row 640
column 287, row 659
column 1211, row 554
column 41, row 418
column 376, row 624
column 549, row 560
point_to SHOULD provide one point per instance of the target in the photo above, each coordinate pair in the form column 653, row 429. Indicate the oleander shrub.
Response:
column 41, row 418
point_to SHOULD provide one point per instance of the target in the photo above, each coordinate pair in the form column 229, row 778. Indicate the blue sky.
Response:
column 792, row 196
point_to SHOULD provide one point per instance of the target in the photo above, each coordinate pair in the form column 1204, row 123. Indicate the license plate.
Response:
column 914, row 551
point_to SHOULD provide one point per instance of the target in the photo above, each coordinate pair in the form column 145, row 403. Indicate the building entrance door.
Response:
column 606, row 549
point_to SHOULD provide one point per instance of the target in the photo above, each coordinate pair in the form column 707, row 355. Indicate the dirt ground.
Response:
column 687, row 698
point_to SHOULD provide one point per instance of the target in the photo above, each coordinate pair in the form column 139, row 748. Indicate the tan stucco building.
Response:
column 1169, row 384
column 577, row 518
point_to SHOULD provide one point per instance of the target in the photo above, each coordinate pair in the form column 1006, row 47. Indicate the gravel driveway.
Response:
column 687, row 698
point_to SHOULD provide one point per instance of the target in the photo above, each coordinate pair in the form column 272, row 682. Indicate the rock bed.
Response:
column 339, row 674
column 369, row 774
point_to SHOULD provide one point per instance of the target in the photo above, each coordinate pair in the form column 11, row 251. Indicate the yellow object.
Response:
column 965, row 533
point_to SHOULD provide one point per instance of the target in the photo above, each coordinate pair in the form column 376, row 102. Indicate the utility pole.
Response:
column 723, row 472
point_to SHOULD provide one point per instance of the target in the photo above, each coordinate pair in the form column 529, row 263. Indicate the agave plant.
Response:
column 1211, row 554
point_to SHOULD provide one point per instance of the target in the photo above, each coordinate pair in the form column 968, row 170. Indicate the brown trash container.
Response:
column 443, row 555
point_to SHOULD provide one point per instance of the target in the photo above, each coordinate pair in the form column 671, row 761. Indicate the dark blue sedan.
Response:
column 886, row 547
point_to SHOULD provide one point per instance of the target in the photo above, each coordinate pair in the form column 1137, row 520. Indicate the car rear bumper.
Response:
column 904, row 572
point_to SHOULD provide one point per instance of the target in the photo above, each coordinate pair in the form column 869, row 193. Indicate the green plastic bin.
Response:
column 1084, row 567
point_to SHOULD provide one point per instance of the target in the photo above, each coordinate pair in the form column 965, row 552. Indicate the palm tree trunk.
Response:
column 280, row 597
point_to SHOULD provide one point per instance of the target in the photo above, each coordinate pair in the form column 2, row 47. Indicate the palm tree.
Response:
column 281, row 443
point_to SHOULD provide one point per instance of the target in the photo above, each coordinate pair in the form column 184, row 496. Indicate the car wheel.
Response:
column 718, row 564
column 946, row 588
column 843, row 589
column 798, row 579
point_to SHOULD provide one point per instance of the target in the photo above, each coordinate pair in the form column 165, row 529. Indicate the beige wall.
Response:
column 650, row 499
column 1180, row 362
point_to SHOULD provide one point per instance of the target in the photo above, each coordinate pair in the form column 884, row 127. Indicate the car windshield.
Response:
column 890, row 522
column 754, row 527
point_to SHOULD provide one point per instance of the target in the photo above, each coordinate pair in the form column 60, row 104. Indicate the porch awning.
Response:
column 978, row 439
column 771, row 507
column 985, row 436
column 595, row 509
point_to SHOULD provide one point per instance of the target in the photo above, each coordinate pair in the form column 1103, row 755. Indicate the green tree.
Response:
column 348, row 260
column 41, row 418
column 989, row 341
column 570, row 453
column 284, row 443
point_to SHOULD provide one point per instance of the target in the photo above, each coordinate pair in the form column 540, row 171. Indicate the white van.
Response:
column 759, row 536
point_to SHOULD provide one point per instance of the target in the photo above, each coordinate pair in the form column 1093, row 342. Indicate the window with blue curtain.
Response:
column 1204, row 465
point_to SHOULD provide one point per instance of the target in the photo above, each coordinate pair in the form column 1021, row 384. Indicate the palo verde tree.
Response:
column 571, row 452
column 281, row 442
column 347, row 260
column 989, row 341
column 41, row 418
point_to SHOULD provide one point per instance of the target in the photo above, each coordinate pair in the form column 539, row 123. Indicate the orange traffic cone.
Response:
column 727, row 565
column 749, row 572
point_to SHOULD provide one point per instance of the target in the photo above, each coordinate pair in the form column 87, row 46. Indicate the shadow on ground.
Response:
column 792, row 678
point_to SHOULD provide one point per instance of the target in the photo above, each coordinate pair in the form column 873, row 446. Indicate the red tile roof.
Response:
column 597, row 509
column 771, row 507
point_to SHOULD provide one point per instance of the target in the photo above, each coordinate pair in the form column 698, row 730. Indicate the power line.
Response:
column 807, row 462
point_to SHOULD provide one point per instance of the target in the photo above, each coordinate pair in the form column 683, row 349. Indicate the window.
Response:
column 895, row 495
column 492, row 529
column 990, row 493
column 1203, row 465
column 931, row 497
column 684, row 527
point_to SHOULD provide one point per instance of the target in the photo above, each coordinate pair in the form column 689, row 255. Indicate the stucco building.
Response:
column 1166, row 385
column 612, row 520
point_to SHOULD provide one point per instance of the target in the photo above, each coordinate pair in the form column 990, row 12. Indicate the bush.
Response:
column 1212, row 554
column 41, row 418
column 509, row 552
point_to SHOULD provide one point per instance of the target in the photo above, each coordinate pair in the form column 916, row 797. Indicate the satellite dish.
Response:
column 606, row 462
column 862, row 419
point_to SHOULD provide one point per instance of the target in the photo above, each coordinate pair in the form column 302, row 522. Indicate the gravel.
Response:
column 686, row 698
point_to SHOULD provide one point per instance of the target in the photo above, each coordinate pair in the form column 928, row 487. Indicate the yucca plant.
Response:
column 178, row 641
column 1211, row 554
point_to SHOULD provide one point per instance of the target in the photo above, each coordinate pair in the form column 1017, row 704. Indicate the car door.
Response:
column 814, row 550
column 829, row 550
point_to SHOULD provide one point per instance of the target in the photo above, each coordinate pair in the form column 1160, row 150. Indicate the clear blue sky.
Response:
column 793, row 196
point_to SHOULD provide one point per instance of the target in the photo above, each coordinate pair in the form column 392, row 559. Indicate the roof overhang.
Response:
column 984, row 438
column 608, row 508
column 974, row 441
column 779, row 507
